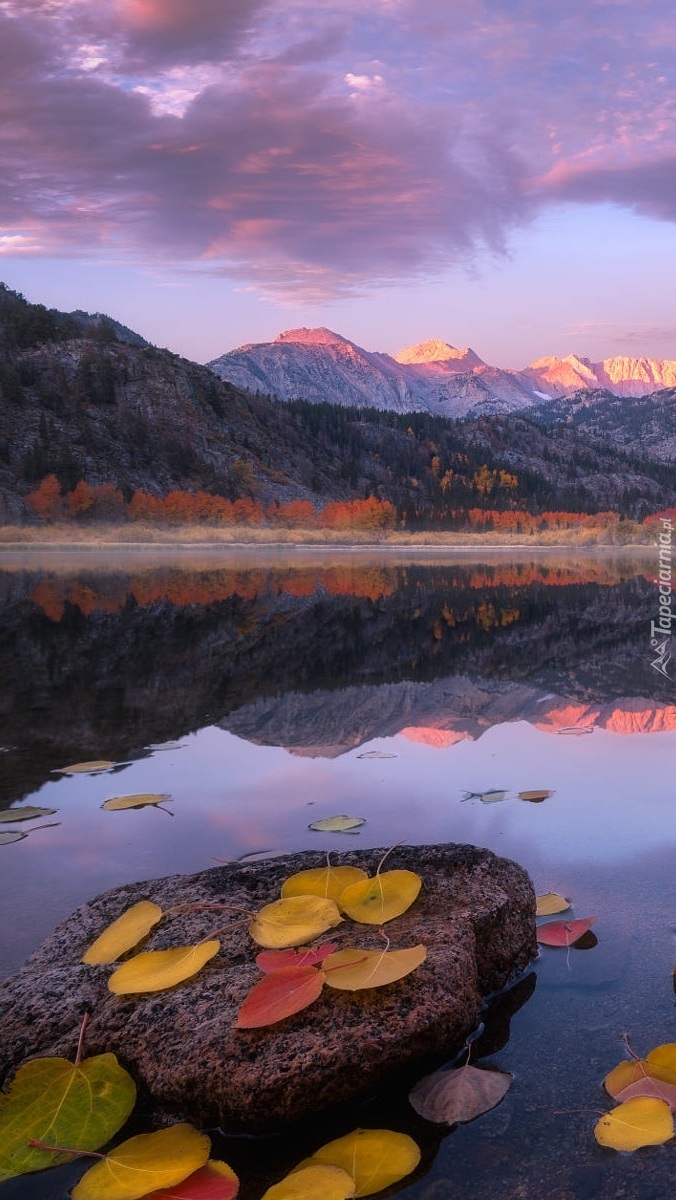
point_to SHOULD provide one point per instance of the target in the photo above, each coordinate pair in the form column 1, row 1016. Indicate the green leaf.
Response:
column 54, row 1101
column 145, row 1163
column 27, row 813
column 337, row 824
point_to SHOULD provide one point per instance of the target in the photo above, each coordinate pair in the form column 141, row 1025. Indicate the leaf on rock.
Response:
column 156, row 970
column 328, row 882
column 145, row 1163
column 279, row 995
column 294, row 921
column 337, row 824
column 375, row 1158
column 550, row 903
column 535, row 797
column 27, row 813
column 312, row 1180
column 641, row 1122
column 277, row 960
column 86, row 768
column 382, row 898
column 352, row 970
column 563, row 933
column 12, row 835
column 115, row 803
column 61, row 1103
column 124, row 933
column 214, row 1181
column 454, row 1096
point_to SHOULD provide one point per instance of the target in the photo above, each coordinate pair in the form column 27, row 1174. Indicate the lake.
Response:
column 264, row 690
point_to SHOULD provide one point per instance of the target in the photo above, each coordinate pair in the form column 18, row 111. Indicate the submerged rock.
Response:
column 475, row 914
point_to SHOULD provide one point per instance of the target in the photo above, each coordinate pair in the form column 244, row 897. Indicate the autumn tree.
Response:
column 47, row 501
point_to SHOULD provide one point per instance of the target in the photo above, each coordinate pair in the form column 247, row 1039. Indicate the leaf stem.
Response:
column 64, row 1150
column 80, row 1045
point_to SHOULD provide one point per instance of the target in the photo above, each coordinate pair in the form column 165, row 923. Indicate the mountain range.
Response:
column 85, row 398
column 434, row 377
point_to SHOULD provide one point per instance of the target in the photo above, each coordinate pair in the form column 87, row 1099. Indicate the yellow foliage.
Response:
column 145, row 1163
column 382, row 898
column 327, row 882
column 124, row 933
column 640, row 1122
column 293, row 921
column 156, row 970
column 352, row 970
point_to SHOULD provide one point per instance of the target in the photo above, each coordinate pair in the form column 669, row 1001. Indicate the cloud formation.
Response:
column 325, row 150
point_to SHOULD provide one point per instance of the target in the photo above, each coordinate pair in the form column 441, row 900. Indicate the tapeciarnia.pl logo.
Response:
column 660, row 630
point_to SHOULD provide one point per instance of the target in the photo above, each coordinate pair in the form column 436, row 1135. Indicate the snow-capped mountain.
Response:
column 319, row 365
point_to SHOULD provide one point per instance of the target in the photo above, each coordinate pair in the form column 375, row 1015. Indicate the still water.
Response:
column 250, row 687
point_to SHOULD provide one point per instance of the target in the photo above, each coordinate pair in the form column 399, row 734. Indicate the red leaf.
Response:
column 564, row 933
column 280, row 995
column 214, row 1181
column 277, row 960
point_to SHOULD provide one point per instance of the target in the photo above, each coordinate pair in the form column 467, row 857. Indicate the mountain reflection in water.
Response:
column 316, row 655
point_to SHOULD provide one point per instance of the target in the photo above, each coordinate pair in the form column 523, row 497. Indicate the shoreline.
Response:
column 94, row 547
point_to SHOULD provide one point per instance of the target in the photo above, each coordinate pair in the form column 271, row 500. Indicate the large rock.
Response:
column 475, row 914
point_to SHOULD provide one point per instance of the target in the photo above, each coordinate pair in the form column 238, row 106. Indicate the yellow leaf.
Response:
column 551, row 903
column 145, row 1163
column 352, row 970
column 294, row 921
column 663, row 1056
column 86, row 768
column 115, row 803
column 328, row 882
column 312, row 1181
column 375, row 1158
column 640, row 1122
column 156, row 970
column 124, row 933
column 628, row 1073
column 380, row 899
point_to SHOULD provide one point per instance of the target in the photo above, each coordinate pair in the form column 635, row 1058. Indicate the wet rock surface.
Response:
column 475, row 914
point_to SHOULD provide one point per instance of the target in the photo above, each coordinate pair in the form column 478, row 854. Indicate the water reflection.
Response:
column 318, row 656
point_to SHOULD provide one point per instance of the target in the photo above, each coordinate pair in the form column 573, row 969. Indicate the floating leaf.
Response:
column 124, row 933
column 663, row 1056
column 61, row 1103
column 279, row 995
column 375, row 1158
column 377, row 754
column 577, row 730
column 115, row 803
column 641, row 1122
column 378, row 900
column 563, row 933
column 312, row 1180
column 454, row 1096
column 352, row 970
column 27, row 813
column 7, row 836
column 294, row 921
column 155, row 970
column 277, row 960
column 637, row 1071
column 535, row 797
column 86, row 768
column 322, row 881
column 337, row 824
column 551, row 903
column 155, row 746
column 145, row 1163
column 214, row 1181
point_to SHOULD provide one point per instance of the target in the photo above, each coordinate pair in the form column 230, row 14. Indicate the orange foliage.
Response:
column 46, row 501
column 358, row 514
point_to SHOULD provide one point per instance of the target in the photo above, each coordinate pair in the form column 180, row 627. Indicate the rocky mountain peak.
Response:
column 438, row 351
column 312, row 337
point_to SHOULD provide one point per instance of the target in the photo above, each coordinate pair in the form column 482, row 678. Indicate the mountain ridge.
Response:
column 432, row 376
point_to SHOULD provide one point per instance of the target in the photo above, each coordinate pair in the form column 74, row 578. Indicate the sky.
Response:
column 495, row 173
